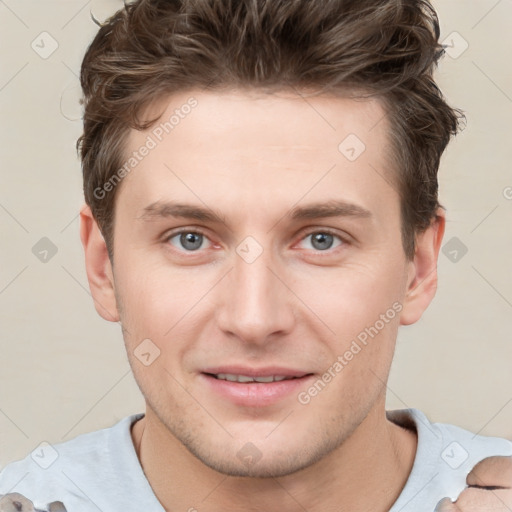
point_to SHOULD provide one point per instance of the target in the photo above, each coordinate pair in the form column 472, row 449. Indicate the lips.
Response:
column 246, row 378
column 268, row 371
column 255, row 387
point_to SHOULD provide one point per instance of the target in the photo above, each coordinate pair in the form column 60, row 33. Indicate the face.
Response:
column 255, row 239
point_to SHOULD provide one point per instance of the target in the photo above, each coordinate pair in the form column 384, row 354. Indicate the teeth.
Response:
column 270, row 378
column 245, row 378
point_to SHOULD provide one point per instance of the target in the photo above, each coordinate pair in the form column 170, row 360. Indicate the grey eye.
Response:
column 191, row 241
column 321, row 241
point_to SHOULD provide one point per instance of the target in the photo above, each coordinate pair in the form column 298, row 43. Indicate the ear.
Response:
column 422, row 271
column 98, row 267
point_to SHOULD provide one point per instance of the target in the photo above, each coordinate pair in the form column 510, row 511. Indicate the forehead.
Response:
column 267, row 148
column 280, row 120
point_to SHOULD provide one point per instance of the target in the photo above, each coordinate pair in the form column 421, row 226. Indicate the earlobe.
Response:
column 98, row 267
column 422, row 277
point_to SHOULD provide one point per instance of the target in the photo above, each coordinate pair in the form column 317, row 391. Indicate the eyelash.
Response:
column 344, row 240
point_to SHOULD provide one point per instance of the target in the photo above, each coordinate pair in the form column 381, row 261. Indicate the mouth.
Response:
column 247, row 378
column 250, row 387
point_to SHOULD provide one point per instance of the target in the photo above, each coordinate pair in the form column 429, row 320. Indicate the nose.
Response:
column 256, row 304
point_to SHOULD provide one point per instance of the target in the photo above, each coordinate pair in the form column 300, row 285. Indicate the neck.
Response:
column 367, row 472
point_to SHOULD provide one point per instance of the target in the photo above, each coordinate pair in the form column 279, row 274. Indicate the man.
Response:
column 262, row 217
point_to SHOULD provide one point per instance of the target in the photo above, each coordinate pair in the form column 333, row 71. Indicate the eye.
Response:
column 188, row 240
column 322, row 240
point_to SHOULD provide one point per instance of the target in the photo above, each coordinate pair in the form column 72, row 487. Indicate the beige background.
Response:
column 64, row 370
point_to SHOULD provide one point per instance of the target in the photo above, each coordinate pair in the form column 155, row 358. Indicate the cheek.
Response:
column 360, row 304
column 152, row 293
column 167, row 306
column 353, row 296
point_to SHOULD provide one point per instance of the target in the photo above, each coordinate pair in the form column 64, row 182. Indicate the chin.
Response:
column 268, row 466
column 270, row 459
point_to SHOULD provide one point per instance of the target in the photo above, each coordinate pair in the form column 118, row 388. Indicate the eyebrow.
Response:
column 161, row 209
column 332, row 208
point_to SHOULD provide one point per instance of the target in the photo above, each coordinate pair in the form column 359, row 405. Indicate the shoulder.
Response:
column 461, row 447
column 445, row 455
column 455, row 446
column 72, row 471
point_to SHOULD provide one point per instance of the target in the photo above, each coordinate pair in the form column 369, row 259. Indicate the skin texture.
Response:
column 252, row 158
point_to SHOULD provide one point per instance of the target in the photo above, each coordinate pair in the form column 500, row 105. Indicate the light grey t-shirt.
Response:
column 100, row 471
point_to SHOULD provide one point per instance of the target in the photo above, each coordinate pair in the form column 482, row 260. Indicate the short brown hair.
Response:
column 384, row 48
